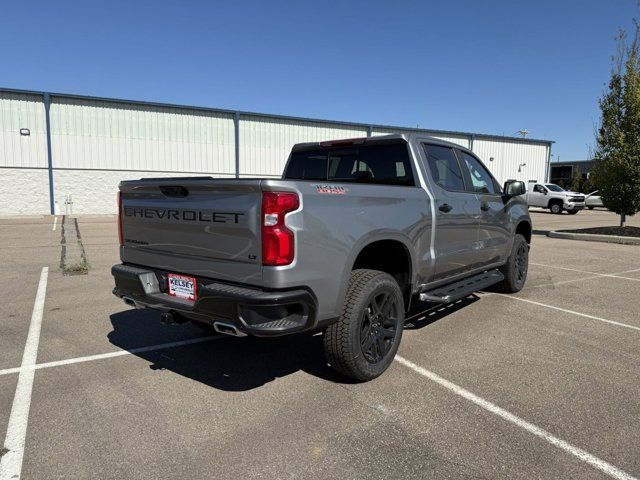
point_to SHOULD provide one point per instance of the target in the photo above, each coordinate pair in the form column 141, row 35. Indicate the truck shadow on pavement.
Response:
column 239, row 364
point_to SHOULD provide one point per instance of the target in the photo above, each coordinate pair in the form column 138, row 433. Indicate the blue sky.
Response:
column 492, row 67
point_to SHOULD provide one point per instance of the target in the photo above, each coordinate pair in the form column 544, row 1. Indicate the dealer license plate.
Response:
column 182, row 286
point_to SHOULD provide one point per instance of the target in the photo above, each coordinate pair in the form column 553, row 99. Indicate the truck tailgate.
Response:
column 198, row 226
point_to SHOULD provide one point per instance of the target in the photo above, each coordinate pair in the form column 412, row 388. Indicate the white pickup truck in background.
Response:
column 554, row 197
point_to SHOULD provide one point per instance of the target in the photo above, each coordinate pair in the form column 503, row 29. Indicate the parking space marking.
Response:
column 595, row 274
column 101, row 356
column 11, row 461
column 591, row 317
column 600, row 275
column 582, row 455
column 55, row 221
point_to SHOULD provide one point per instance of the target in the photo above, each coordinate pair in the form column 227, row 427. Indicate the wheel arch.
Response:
column 524, row 228
column 555, row 200
column 388, row 252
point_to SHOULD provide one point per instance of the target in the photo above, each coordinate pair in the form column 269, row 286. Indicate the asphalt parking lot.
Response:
column 543, row 384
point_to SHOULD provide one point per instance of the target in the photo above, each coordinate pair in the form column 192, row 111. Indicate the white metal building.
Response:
column 57, row 147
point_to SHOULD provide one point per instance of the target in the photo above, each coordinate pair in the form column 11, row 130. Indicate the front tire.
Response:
column 572, row 212
column 556, row 208
column 590, row 208
column 364, row 341
column 516, row 268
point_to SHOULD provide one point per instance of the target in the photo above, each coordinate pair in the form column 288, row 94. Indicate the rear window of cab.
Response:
column 381, row 164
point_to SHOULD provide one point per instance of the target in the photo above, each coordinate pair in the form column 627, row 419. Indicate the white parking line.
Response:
column 102, row 356
column 582, row 455
column 55, row 221
column 591, row 317
column 573, row 280
column 595, row 274
column 11, row 462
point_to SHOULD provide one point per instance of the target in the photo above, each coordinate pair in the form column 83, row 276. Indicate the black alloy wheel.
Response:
column 521, row 263
column 378, row 326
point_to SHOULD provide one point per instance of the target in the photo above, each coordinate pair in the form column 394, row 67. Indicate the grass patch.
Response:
column 78, row 268
column 628, row 231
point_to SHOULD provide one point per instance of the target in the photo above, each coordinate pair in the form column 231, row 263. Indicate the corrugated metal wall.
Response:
column 463, row 140
column 513, row 159
column 89, row 134
column 265, row 142
column 97, row 142
column 18, row 111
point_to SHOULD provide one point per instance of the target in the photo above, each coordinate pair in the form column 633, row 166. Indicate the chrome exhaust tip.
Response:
column 129, row 301
column 228, row 329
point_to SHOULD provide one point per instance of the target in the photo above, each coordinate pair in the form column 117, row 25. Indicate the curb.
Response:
column 592, row 237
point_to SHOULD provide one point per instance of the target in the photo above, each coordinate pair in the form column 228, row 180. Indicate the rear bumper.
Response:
column 251, row 310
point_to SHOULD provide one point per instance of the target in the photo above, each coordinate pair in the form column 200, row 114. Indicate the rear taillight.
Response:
column 120, row 217
column 278, row 242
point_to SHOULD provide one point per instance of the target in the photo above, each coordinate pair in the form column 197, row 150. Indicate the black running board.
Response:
column 460, row 289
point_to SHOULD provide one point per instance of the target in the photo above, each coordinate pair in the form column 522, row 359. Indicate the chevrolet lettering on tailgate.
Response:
column 183, row 215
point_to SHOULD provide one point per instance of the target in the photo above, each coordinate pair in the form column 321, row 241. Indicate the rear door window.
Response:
column 444, row 167
column 384, row 164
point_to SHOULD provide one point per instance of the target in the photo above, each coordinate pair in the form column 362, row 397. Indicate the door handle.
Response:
column 484, row 206
column 445, row 207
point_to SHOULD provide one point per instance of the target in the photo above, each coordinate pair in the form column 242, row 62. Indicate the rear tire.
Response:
column 516, row 268
column 364, row 341
column 555, row 207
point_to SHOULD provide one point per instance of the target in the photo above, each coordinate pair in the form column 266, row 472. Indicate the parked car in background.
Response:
column 554, row 197
column 593, row 200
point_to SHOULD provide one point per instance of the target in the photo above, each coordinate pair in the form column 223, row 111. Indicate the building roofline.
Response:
column 280, row 117
column 573, row 161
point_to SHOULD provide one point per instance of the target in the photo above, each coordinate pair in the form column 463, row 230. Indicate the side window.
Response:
column 444, row 167
column 538, row 188
column 481, row 180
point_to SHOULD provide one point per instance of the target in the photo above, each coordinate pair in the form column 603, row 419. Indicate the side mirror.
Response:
column 513, row 188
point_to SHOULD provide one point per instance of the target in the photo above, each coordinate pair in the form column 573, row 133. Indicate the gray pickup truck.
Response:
column 353, row 233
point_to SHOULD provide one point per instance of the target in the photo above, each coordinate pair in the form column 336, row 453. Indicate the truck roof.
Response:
column 407, row 137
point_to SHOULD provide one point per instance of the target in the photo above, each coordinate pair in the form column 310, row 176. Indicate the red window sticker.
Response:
column 331, row 189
